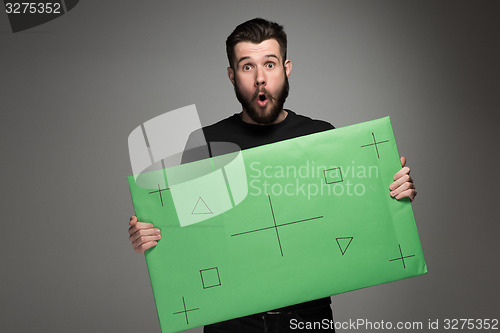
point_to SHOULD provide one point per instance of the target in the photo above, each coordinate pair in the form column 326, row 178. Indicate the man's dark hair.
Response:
column 256, row 31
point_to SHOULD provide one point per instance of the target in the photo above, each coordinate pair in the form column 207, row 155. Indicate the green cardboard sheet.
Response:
column 277, row 225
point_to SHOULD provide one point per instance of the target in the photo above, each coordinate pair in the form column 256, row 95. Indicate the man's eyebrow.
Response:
column 241, row 59
column 272, row 56
column 248, row 57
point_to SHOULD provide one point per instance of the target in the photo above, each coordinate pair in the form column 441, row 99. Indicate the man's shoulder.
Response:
column 223, row 124
column 320, row 125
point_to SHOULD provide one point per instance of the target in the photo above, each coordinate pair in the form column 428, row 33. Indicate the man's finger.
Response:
column 143, row 232
column 410, row 193
column 143, row 247
column 405, row 186
column 140, row 226
column 133, row 220
column 404, row 171
column 403, row 161
column 405, row 178
column 145, row 239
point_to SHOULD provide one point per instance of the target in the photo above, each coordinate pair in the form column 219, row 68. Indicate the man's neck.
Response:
column 246, row 118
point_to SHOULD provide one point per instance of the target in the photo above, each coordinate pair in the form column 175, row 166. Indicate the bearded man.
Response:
column 259, row 71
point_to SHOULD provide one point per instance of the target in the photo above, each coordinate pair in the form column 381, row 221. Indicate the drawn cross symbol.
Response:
column 375, row 143
column 276, row 226
column 402, row 258
column 185, row 311
column 159, row 192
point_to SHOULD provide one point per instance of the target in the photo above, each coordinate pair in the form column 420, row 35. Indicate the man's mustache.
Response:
column 265, row 92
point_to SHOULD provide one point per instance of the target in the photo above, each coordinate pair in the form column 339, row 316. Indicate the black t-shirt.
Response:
column 246, row 135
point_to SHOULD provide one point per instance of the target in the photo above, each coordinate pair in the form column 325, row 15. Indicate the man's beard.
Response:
column 279, row 101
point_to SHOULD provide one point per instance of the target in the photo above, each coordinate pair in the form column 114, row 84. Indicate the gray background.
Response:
column 74, row 88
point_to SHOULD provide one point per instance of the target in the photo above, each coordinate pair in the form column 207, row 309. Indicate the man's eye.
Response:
column 247, row 67
column 270, row 65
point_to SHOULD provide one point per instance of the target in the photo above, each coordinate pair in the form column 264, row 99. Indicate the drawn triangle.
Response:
column 201, row 207
column 346, row 241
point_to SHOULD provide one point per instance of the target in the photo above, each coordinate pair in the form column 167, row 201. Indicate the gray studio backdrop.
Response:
column 74, row 88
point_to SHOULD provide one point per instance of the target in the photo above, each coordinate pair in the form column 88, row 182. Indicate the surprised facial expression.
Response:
column 260, row 80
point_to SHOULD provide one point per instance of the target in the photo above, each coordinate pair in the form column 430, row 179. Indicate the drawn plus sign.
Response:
column 276, row 226
column 185, row 311
column 402, row 258
column 375, row 143
column 159, row 192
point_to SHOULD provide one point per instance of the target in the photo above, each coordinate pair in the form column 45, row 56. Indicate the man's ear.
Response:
column 288, row 67
column 230, row 74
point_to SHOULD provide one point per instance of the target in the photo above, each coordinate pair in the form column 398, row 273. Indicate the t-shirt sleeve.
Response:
column 196, row 148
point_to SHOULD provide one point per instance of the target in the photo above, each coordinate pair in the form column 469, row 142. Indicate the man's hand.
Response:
column 403, row 184
column 143, row 235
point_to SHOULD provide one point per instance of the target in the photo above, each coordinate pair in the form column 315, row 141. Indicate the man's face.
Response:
column 260, row 79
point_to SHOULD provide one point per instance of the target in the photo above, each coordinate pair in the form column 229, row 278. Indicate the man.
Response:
column 259, row 71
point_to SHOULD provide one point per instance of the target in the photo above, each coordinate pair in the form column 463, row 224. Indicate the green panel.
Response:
column 317, row 220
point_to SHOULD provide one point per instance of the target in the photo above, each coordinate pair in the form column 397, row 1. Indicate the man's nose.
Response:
column 260, row 79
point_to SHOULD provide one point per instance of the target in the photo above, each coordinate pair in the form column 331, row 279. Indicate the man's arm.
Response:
column 403, row 184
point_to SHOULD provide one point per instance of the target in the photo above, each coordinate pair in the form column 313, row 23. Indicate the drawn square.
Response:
column 210, row 277
column 333, row 175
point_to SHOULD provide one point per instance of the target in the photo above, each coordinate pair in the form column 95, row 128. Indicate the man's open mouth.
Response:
column 262, row 99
